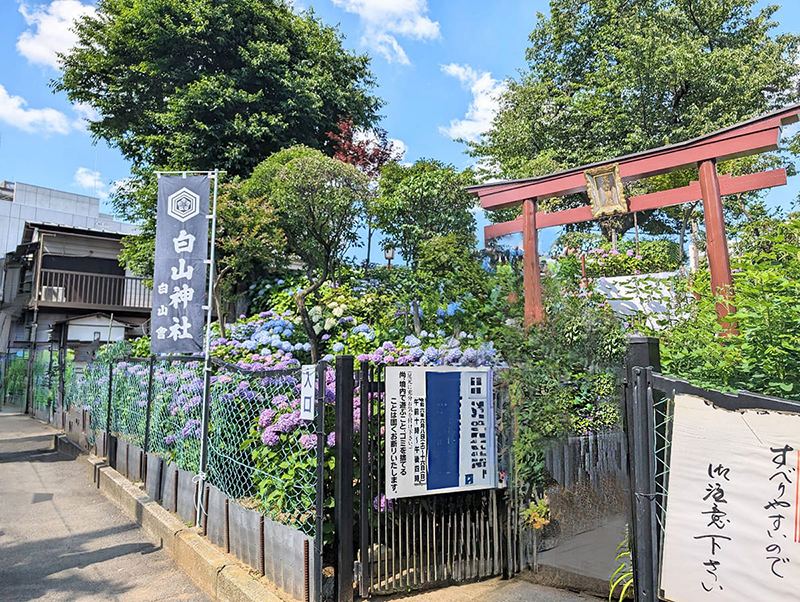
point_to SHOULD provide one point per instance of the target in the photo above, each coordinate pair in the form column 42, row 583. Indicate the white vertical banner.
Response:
column 179, row 278
column 308, row 381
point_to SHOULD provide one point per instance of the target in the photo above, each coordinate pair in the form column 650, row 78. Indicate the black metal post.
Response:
column 149, row 403
column 322, row 369
column 365, row 470
column 642, row 354
column 108, row 408
column 343, row 495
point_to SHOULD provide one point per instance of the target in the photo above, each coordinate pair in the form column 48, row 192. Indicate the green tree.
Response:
column 318, row 202
column 250, row 244
column 419, row 202
column 213, row 83
column 609, row 77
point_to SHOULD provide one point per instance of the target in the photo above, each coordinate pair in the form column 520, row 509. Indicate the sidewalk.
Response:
column 496, row 590
column 61, row 539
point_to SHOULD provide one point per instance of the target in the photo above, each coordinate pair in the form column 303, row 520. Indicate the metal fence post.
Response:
column 108, row 412
column 365, row 476
column 149, row 403
column 642, row 354
column 204, row 436
column 319, row 539
column 343, row 495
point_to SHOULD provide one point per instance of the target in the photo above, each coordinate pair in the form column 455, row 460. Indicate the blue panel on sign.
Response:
column 444, row 412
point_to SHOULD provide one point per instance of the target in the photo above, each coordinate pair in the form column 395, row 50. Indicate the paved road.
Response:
column 61, row 539
column 497, row 590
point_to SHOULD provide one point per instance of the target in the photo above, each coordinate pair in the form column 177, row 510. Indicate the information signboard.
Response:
column 440, row 430
column 732, row 530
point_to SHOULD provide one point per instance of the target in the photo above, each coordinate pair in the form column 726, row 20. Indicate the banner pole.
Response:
column 207, row 363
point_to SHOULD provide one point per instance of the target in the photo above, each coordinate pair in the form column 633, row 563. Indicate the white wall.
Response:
column 37, row 204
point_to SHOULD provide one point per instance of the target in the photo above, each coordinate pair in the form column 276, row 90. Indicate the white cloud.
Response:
column 400, row 148
column 88, row 179
column 49, row 30
column 386, row 20
column 14, row 111
column 486, row 93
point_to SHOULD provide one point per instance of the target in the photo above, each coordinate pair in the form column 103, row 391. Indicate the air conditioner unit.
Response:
column 53, row 294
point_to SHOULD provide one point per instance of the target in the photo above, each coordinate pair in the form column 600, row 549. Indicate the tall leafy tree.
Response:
column 318, row 203
column 609, row 77
column 213, row 83
column 420, row 202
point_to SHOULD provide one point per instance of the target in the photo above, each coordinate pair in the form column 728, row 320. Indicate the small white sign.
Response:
column 308, row 376
column 733, row 524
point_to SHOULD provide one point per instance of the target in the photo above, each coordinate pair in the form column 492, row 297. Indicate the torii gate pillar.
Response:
column 718, row 258
column 531, row 274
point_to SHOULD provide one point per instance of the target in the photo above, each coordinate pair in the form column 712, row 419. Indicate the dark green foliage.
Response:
column 564, row 375
column 764, row 355
column 199, row 84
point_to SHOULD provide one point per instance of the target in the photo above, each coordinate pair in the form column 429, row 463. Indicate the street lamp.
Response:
column 388, row 253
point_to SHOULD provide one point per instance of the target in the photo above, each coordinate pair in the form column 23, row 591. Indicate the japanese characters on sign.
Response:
column 440, row 430
column 179, row 280
column 308, row 380
column 732, row 528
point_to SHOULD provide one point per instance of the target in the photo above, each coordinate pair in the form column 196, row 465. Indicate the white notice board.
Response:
column 440, row 430
column 732, row 528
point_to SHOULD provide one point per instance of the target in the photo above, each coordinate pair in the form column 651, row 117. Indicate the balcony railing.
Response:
column 93, row 291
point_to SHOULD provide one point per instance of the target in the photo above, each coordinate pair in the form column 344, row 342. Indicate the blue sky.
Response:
column 439, row 65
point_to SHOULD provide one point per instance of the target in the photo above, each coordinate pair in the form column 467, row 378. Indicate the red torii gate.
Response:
column 757, row 135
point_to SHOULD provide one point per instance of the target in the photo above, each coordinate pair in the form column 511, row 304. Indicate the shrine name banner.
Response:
column 732, row 529
column 440, row 430
column 179, row 280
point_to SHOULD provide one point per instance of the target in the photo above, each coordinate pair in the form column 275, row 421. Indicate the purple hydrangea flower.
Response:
column 267, row 417
column 270, row 437
column 308, row 441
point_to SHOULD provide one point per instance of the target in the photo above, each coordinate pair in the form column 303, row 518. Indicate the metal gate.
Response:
column 411, row 543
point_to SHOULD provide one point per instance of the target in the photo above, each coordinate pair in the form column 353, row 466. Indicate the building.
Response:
column 60, row 264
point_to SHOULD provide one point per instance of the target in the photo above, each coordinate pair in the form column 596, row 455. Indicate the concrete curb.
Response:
column 218, row 574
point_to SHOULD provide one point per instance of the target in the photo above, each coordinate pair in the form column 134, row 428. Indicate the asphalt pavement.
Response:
column 61, row 539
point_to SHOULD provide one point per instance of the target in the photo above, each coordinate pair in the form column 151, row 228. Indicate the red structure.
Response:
column 757, row 135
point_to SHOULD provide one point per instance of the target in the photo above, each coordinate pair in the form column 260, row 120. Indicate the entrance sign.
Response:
column 440, row 430
column 732, row 528
column 179, row 280
column 308, row 381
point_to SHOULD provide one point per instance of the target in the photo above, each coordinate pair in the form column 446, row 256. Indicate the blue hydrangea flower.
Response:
column 338, row 347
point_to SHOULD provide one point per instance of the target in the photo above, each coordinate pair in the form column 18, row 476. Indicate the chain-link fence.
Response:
column 176, row 412
column 14, row 379
column 260, row 453
column 45, row 379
